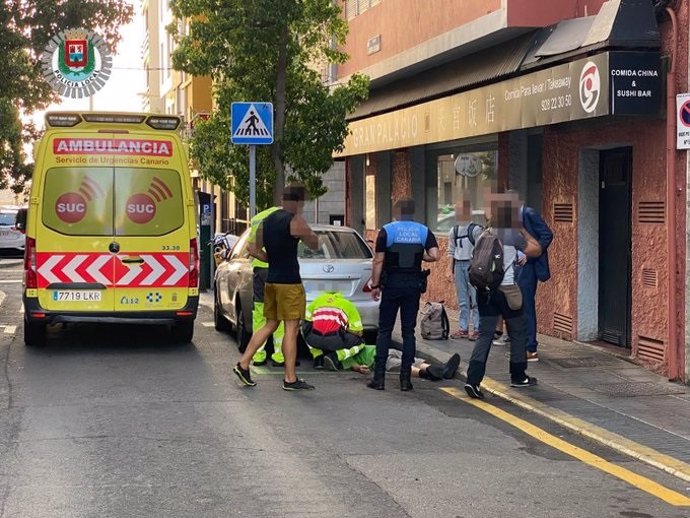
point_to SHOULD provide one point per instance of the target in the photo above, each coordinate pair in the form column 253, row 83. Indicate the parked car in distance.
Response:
column 11, row 237
column 343, row 262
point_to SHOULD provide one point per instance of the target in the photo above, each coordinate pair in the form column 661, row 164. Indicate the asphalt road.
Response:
column 116, row 421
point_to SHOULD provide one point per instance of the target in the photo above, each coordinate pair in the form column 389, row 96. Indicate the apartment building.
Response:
column 568, row 102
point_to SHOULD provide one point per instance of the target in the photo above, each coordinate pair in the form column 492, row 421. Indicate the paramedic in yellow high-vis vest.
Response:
column 259, row 280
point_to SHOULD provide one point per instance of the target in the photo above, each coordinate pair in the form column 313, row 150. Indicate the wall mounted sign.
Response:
column 683, row 122
column 611, row 83
column 76, row 63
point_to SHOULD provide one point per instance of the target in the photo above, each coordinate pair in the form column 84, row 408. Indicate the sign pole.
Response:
column 252, row 181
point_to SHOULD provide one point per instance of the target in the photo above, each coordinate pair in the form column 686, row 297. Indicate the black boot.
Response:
column 405, row 383
column 377, row 384
column 379, row 380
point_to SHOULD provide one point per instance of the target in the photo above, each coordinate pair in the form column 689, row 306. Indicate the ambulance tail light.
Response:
column 30, row 276
column 193, row 263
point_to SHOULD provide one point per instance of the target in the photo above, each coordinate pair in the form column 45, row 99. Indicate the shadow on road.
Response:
column 9, row 253
column 106, row 339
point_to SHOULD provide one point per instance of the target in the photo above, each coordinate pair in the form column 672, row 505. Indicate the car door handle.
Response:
column 132, row 260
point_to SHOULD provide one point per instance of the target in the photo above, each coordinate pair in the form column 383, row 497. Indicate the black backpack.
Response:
column 486, row 266
column 469, row 235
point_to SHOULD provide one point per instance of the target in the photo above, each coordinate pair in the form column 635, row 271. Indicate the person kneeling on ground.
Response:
column 332, row 330
column 364, row 361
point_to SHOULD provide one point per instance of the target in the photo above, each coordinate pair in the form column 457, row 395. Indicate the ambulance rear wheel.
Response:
column 34, row 333
column 183, row 332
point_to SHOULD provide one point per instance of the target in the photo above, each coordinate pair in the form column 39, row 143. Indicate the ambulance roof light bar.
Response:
column 163, row 122
column 62, row 120
column 118, row 118
column 69, row 120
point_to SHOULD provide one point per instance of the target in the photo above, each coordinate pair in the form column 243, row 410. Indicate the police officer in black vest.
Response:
column 398, row 280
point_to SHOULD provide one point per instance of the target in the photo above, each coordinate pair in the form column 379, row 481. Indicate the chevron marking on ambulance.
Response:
column 95, row 270
column 71, row 269
column 134, row 272
column 180, row 270
column 157, row 270
column 46, row 270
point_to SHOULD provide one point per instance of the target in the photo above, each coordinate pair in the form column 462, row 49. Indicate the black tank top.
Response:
column 281, row 249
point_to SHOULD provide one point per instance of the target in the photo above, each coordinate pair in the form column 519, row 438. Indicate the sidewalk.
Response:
column 591, row 391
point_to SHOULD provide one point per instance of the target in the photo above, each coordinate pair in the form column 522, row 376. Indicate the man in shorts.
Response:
column 260, row 273
column 284, row 298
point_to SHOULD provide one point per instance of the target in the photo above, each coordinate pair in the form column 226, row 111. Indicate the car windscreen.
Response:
column 7, row 219
column 336, row 245
column 106, row 201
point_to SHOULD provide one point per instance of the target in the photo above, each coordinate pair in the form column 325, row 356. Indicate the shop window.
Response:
column 461, row 175
column 370, row 202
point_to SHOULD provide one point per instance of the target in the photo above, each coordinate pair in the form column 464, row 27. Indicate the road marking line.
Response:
column 11, row 281
column 207, row 324
column 638, row 481
column 10, row 330
column 21, row 309
column 638, row 451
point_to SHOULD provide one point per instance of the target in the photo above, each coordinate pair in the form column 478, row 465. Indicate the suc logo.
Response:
column 141, row 207
column 71, row 207
column 590, row 87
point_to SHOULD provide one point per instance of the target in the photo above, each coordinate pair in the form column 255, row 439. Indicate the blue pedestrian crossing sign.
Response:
column 252, row 123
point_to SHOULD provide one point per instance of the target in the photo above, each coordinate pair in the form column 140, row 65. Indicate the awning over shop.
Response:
column 621, row 24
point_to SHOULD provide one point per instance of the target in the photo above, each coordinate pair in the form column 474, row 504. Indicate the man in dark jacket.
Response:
column 536, row 269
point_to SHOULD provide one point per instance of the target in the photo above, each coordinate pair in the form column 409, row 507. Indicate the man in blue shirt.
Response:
column 536, row 269
column 398, row 280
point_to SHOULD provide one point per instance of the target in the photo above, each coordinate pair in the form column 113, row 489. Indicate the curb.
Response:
column 612, row 440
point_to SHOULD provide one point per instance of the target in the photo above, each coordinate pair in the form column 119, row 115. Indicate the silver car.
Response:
column 10, row 236
column 343, row 262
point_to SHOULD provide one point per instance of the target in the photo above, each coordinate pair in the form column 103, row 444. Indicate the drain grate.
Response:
column 632, row 389
column 576, row 363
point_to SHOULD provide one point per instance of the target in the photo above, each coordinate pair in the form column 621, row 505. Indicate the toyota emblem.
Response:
column 328, row 268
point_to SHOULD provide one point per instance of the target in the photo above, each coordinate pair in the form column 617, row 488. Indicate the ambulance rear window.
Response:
column 78, row 201
column 102, row 201
column 148, row 202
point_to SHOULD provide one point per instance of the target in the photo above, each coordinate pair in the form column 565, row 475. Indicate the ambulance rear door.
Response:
column 74, row 231
column 152, row 229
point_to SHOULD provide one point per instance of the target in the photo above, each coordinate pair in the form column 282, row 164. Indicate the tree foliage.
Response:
column 26, row 27
column 268, row 50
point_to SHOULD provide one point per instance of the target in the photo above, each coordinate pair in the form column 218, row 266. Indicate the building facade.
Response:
column 572, row 103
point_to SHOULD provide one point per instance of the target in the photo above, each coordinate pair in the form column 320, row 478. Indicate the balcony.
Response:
column 394, row 38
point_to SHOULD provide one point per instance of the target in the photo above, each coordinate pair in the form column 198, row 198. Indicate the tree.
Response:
column 26, row 26
column 268, row 50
